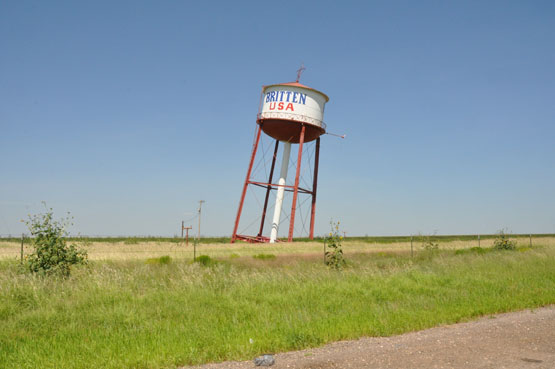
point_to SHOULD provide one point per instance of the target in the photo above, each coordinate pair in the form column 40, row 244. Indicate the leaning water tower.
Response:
column 289, row 113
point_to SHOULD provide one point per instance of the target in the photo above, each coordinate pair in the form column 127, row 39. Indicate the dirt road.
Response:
column 524, row 339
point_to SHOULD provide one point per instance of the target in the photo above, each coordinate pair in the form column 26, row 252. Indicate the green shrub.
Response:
column 502, row 242
column 166, row 259
column 334, row 257
column 51, row 254
column 264, row 256
column 205, row 260
column 478, row 250
column 234, row 256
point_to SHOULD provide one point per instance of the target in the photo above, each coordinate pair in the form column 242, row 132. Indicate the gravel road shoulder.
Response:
column 524, row 339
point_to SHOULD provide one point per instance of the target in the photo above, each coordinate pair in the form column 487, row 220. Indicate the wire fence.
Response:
column 126, row 248
column 224, row 239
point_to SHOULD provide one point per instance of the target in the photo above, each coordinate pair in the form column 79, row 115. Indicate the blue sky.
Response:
column 127, row 113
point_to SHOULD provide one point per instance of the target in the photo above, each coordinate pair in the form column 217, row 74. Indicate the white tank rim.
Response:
column 322, row 125
column 296, row 84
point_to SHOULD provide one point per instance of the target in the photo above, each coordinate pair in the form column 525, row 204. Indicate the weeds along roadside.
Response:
column 118, row 314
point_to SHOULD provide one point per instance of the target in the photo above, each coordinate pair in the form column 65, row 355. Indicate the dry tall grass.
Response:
column 144, row 250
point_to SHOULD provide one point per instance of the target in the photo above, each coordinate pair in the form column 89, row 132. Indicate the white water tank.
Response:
column 287, row 106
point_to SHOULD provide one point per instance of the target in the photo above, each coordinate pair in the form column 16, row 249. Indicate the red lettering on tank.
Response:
column 272, row 106
column 280, row 106
column 289, row 106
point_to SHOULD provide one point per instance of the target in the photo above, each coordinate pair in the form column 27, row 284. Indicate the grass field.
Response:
column 137, row 248
column 124, row 311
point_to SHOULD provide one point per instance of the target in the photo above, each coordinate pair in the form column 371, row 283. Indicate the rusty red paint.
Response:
column 240, row 209
column 314, row 187
column 296, row 189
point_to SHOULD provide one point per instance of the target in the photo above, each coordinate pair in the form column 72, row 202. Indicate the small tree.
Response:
column 52, row 255
column 334, row 257
column 502, row 242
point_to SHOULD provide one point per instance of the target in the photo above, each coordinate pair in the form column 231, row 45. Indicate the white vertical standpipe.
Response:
column 280, row 191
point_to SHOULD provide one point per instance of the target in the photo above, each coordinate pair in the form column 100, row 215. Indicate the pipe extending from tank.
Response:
column 280, row 191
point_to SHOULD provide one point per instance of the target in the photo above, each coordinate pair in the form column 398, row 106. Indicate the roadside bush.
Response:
column 334, row 257
column 51, row 254
column 205, row 260
column 502, row 242
column 166, row 259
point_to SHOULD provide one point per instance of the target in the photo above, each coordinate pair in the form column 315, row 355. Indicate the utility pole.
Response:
column 187, row 230
column 23, row 238
column 199, row 211
column 198, row 234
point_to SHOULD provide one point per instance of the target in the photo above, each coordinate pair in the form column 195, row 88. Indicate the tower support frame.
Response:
column 269, row 186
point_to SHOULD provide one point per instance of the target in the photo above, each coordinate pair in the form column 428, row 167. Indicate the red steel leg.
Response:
column 314, row 186
column 296, row 189
column 253, row 155
column 268, row 189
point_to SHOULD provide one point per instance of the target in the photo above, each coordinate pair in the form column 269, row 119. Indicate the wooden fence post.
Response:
column 22, row 238
column 530, row 239
column 325, row 250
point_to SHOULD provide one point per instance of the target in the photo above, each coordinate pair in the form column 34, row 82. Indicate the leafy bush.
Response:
column 205, row 260
column 166, row 259
column 334, row 257
column 502, row 242
column 264, row 256
column 234, row 256
column 51, row 254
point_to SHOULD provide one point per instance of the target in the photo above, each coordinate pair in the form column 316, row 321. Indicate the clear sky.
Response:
column 126, row 113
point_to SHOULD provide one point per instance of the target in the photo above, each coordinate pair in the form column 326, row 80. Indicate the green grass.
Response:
column 166, row 259
column 476, row 250
column 264, row 256
column 130, row 314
